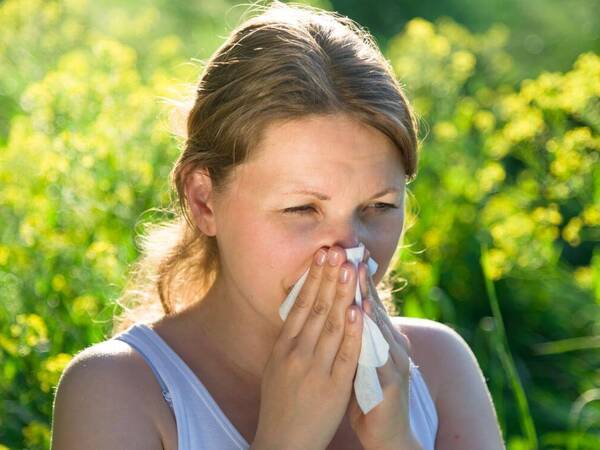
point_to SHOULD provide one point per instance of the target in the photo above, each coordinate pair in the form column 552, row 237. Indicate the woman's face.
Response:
column 265, row 246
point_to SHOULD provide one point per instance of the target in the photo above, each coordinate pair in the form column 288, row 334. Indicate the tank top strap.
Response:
column 201, row 424
column 424, row 410
column 144, row 344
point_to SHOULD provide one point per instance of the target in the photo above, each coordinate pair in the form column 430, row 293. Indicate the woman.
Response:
column 299, row 146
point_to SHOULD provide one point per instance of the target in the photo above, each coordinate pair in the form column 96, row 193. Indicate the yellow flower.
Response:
column 445, row 131
column 484, row 121
column 85, row 305
column 490, row 176
column 4, row 253
column 419, row 28
column 591, row 215
column 59, row 282
column 547, row 215
column 584, row 276
column 51, row 369
column 524, row 125
column 570, row 232
column 463, row 63
column 36, row 434
column 495, row 263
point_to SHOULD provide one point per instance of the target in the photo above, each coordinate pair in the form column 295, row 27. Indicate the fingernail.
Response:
column 367, row 306
column 364, row 275
column 352, row 314
column 333, row 257
column 344, row 272
column 320, row 258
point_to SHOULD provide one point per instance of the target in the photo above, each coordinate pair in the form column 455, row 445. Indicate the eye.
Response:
column 386, row 206
column 305, row 209
column 298, row 209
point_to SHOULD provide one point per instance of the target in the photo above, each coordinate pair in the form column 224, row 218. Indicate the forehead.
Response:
column 323, row 150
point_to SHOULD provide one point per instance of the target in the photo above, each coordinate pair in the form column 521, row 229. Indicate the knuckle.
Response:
column 345, row 355
column 331, row 275
column 332, row 326
column 314, row 274
column 320, row 308
column 302, row 301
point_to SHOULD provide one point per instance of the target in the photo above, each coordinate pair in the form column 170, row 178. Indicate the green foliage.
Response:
column 86, row 151
column 502, row 246
column 544, row 34
column 508, row 200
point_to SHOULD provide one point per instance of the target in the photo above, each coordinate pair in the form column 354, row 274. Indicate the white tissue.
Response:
column 375, row 349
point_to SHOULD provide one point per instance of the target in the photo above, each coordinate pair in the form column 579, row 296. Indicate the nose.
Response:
column 347, row 243
column 343, row 235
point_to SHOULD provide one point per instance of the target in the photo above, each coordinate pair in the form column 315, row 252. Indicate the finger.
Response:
column 319, row 312
column 375, row 317
column 387, row 371
column 401, row 338
column 362, row 279
column 366, row 261
column 366, row 256
column 397, row 352
column 378, row 304
column 346, row 359
column 392, row 372
column 398, row 363
column 305, row 299
column 332, row 331
column 368, row 308
column 373, row 293
column 391, row 335
column 382, row 314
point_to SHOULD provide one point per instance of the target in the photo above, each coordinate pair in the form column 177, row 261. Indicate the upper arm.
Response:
column 99, row 404
column 467, row 418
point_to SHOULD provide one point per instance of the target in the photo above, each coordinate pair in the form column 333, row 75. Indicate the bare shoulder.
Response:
column 105, row 400
column 466, row 413
column 438, row 350
column 429, row 342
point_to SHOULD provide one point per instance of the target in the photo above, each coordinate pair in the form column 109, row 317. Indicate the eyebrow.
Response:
column 321, row 196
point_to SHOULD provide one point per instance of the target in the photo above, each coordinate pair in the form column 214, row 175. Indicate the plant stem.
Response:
column 506, row 358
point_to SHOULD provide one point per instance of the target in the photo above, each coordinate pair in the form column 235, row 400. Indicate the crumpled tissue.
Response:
column 374, row 350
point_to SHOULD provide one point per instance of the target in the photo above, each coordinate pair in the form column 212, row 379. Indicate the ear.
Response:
column 198, row 191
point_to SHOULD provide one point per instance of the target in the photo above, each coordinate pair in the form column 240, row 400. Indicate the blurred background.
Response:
column 504, row 214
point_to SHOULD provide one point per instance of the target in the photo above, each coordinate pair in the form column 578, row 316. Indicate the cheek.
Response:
column 382, row 241
column 263, row 259
column 290, row 255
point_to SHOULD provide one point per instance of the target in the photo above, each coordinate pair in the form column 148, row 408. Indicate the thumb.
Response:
column 353, row 410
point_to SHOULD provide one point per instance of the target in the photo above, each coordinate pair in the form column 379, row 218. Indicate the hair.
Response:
column 288, row 62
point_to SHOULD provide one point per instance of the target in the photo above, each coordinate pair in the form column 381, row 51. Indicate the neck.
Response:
column 241, row 335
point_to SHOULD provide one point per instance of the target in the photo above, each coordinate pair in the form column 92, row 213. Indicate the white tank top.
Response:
column 202, row 425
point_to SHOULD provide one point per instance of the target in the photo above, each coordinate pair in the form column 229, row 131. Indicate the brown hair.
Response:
column 290, row 61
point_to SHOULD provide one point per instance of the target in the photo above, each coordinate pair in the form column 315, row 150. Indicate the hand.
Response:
column 308, row 379
column 387, row 426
